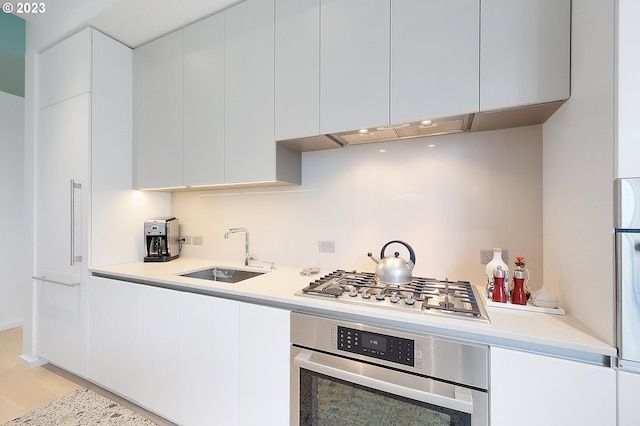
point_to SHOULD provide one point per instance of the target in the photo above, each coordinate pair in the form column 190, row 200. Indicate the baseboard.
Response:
column 10, row 325
column 31, row 362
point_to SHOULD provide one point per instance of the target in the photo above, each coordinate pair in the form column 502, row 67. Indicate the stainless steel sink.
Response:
column 225, row 275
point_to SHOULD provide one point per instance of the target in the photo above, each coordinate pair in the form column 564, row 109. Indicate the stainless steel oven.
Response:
column 351, row 373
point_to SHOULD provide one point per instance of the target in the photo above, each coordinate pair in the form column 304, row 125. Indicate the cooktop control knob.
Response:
column 381, row 295
column 394, row 297
column 366, row 294
column 353, row 292
column 409, row 300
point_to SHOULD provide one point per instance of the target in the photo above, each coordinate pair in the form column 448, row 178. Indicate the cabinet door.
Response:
column 113, row 337
column 628, row 409
column 157, row 112
column 61, row 321
column 525, row 52
column 160, row 351
column 210, row 360
column 203, row 116
column 264, row 365
column 297, row 68
column 354, row 64
column 65, row 69
column 62, row 155
column 435, row 58
column 530, row 389
column 250, row 149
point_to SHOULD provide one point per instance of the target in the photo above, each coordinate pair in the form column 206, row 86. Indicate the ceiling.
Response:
column 132, row 22
column 136, row 22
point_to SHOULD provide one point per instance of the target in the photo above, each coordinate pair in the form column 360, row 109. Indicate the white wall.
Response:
column 469, row 192
column 12, row 282
column 578, row 174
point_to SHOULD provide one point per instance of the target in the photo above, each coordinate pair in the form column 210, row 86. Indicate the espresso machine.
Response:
column 161, row 239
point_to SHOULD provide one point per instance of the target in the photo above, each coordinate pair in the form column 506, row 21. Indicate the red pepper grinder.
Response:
column 499, row 293
column 518, row 295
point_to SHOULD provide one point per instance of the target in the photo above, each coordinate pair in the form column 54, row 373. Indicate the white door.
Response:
column 354, row 64
column 62, row 184
column 250, row 148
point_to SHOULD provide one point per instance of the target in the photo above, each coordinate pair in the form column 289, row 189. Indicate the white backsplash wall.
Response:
column 468, row 192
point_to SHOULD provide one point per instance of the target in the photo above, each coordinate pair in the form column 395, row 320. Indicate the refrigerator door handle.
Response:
column 74, row 185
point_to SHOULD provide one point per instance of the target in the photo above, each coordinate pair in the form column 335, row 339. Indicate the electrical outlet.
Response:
column 327, row 246
column 487, row 255
column 186, row 239
column 197, row 241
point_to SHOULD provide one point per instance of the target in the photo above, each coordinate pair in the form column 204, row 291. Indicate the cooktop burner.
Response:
column 422, row 295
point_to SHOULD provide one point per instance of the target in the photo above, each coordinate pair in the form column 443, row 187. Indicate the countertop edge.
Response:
column 571, row 340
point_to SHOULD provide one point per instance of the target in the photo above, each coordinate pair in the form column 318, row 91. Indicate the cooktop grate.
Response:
column 422, row 295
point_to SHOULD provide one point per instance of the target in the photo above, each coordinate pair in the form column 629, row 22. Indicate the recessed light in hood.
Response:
column 415, row 129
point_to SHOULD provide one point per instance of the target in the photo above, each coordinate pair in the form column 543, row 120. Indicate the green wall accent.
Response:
column 12, row 48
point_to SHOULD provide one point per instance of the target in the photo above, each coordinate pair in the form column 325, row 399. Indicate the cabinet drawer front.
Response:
column 61, row 324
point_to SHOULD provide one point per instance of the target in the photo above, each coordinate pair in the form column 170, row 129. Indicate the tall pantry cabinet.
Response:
column 84, row 205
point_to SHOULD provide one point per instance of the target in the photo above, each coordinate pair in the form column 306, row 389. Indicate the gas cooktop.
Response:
column 421, row 296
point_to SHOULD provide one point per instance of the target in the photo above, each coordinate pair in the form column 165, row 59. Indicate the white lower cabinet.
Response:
column 264, row 365
column 159, row 355
column 193, row 359
column 628, row 407
column 531, row 389
column 135, row 343
column 210, row 360
column 113, row 335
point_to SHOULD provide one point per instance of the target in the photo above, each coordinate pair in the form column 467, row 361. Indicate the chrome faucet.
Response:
column 247, row 255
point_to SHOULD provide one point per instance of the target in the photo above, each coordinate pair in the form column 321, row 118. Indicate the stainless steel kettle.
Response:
column 394, row 269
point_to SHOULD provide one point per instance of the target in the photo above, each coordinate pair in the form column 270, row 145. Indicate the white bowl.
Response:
column 544, row 299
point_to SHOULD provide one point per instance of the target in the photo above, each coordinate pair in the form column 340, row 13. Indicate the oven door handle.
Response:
column 462, row 400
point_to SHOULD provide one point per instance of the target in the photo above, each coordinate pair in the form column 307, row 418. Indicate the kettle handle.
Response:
column 412, row 255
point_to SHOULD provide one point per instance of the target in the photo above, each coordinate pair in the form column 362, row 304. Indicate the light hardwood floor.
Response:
column 23, row 389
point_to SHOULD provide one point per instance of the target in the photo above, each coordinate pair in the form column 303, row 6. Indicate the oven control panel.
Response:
column 381, row 346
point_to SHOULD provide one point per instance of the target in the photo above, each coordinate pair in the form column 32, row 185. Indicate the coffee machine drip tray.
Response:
column 161, row 239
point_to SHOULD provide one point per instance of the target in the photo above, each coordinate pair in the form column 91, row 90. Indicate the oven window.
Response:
column 325, row 400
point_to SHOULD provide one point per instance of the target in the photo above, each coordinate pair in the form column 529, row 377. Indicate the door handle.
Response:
column 74, row 185
column 49, row 280
column 462, row 400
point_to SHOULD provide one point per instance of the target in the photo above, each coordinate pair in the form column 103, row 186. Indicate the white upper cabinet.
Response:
column 157, row 100
column 354, row 64
column 434, row 59
column 65, row 69
column 297, row 68
column 250, row 153
column 525, row 52
column 203, row 107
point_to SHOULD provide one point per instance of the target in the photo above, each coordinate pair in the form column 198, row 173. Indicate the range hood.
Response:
column 417, row 129
column 481, row 121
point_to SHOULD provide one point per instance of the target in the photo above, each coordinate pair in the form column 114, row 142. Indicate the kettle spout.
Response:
column 373, row 257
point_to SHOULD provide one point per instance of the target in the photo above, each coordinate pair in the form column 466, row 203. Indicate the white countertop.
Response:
column 560, row 335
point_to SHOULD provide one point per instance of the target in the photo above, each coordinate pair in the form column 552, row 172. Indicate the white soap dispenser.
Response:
column 492, row 266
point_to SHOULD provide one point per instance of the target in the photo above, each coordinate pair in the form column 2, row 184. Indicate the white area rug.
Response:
column 82, row 407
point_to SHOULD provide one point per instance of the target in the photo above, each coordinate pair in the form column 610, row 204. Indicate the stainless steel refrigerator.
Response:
column 627, row 255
